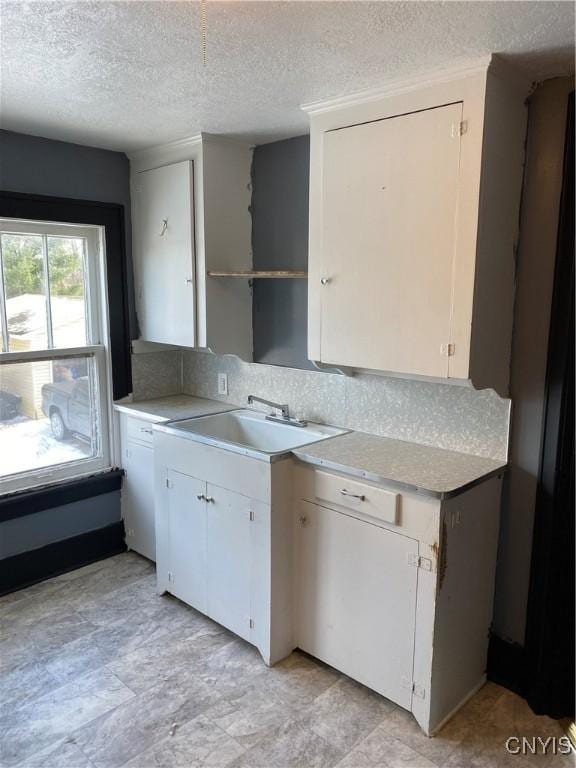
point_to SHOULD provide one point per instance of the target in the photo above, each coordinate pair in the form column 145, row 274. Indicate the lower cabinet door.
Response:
column 228, row 562
column 138, row 499
column 187, row 539
column 355, row 599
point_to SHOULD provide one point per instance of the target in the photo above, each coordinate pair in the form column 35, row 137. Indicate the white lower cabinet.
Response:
column 215, row 545
column 187, row 528
column 396, row 590
column 356, row 597
column 229, row 548
column 138, row 486
column 393, row 589
column 210, row 550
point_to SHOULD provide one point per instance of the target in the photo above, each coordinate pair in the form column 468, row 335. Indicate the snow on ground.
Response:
column 27, row 444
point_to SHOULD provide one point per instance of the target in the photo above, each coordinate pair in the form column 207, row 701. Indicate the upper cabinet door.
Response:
column 389, row 208
column 164, row 233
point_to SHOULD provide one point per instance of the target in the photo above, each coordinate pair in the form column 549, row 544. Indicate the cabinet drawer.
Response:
column 139, row 430
column 365, row 499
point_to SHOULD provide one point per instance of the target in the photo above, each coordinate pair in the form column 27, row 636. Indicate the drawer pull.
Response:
column 146, row 429
column 359, row 496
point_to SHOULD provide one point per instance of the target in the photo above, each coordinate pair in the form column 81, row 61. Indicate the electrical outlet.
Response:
column 222, row 383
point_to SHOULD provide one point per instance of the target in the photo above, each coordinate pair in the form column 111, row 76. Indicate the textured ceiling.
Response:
column 126, row 75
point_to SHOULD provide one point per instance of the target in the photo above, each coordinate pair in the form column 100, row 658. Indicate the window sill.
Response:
column 28, row 502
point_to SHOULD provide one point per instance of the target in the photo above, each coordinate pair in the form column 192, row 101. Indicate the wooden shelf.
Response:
column 252, row 274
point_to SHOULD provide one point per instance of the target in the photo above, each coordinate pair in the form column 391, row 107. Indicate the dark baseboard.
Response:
column 507, row 664
column 28, row 568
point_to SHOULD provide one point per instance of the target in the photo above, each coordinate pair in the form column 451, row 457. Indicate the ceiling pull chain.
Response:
column 204, row 29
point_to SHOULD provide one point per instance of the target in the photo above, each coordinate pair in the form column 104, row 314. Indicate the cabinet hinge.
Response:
column 447, row 349
column 417, row 690
column 459, row 129
column 417, row 561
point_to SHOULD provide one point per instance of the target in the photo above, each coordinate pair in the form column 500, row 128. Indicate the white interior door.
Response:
column 187, row 537
column 389, row 214
column 138, row 499
column 229, row 559
column 356, row 599
column 164, row 233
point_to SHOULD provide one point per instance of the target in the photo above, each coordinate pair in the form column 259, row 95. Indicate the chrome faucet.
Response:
column 284, row 409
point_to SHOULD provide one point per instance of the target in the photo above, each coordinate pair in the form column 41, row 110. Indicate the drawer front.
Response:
column 365, row 499
column 139, row 430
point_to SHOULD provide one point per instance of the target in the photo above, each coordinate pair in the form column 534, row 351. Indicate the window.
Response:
column 54, row 357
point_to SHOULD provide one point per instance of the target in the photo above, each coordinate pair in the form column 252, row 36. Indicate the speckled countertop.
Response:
column 409, row 466
column 173, row 407
column 432, row 471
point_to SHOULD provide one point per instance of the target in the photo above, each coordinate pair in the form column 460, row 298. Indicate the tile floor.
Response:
column 98, row 671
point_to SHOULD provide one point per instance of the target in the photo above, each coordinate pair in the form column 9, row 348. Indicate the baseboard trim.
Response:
column 507, row 664
column 464, row 700
column 29, row 568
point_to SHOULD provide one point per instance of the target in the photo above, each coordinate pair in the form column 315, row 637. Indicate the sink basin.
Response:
column 249, row 432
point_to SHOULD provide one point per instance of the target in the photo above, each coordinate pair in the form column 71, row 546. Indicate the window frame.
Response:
column 97, row 348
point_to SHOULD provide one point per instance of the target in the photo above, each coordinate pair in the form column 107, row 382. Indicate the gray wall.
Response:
column 40, row 166
column 534, row 283
column 280, row 174
column 33, row 531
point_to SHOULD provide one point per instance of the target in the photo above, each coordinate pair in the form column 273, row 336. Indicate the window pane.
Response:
column 66, row 260
column 48, row 414
column 24, row 287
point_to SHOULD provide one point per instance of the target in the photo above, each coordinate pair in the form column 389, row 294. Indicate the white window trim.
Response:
column 99, row 350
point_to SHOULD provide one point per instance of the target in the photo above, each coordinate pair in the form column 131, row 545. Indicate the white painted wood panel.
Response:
column 464, row 599
column 164, row 263
column 138, row 498
column 365, row 500
column 418, row 515
column 139, row 430
column 187, row 539
column 389, row 219
column 228, row 561
column 222, row 234
column 355, row 598
column 229, row 470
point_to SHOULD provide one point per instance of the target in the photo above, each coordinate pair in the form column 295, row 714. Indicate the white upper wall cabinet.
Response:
column 191, row 215
column 414, row 200
column 163, row 200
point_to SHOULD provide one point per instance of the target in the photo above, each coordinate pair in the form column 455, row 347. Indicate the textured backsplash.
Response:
column 442, row 415
column 448, row 416
column 156, row 374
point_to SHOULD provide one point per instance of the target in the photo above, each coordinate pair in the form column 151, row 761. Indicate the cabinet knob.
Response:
column 188, row 281
column 201, row 497
column 324, row 280
column 302, row 520
column 209, row 499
